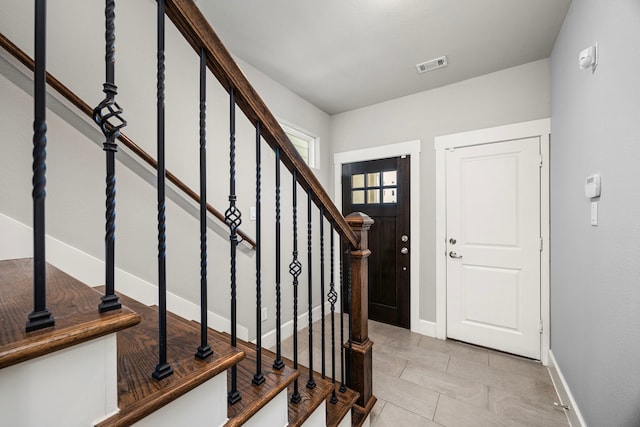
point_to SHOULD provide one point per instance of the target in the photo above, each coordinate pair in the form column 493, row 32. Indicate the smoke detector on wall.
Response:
column 431, row 65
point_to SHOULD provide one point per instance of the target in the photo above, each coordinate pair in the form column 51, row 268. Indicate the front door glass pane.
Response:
column 390, row 178
column 357, row 197
column 357, row 181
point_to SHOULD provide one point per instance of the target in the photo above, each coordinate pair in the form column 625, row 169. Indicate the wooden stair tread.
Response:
column 74, row 306
column 337, row 411
column 254, row 397
column 311, row 399
column 138, row 393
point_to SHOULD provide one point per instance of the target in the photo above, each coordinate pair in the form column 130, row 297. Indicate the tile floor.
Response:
column 421, row 381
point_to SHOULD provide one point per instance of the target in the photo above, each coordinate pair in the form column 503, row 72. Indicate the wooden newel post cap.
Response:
column 360, row 223
column 359, row 220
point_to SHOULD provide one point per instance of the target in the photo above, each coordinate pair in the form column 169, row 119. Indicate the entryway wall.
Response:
column 510, row 96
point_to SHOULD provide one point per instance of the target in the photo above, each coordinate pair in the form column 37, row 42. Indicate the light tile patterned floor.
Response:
column 421, row 381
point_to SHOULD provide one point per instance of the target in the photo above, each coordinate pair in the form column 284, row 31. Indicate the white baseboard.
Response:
column 425, row 327
column 286, row 329
column 17, row 242
column 564, row 393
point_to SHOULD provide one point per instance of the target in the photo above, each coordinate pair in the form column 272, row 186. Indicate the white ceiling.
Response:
column 345, row 54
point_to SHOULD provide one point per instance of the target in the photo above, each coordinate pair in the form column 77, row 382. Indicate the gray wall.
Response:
column 509, row 96
column 595, row 272
column 75, row 203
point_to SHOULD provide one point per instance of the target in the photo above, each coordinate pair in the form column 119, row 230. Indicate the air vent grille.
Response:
column 434, row 64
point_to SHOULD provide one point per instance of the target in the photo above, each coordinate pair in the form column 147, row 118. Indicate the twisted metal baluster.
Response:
column 163, row 368
column 40, row 317
column 204, row 350
column 322, row 313
column 333, row 298
column 295, row 268
column 258, row 378
column 278, row 363
column 108, row 115
column 310, row 383
column 233, row 218
column 343, row 388
column 349, row 299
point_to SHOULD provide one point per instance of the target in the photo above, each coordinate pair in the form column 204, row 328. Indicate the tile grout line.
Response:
column 433, row 417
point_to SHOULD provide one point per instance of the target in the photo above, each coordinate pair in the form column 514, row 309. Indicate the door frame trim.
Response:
column 410, row 148
column 536, row 128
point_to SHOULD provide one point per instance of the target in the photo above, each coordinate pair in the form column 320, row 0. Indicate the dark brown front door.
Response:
column 380, row 188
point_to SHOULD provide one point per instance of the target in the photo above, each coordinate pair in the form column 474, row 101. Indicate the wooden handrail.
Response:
column 74, row 99
column 198, row 32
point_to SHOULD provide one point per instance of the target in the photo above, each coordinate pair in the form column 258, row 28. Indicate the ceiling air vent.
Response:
column 434, row 64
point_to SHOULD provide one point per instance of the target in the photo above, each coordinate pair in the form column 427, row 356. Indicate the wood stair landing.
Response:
column 138, row 393
column 74, row 306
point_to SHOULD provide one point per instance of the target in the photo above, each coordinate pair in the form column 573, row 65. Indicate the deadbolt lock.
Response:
column 452, row 241
column 404, row 238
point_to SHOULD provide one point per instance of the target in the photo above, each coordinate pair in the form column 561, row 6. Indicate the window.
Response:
column 304, row 143
column 368, row 188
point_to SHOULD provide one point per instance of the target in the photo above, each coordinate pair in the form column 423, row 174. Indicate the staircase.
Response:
column 91, row 355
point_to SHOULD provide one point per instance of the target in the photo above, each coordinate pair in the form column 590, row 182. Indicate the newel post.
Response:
column 361, row 346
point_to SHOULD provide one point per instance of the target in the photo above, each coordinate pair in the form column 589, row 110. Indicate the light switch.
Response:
column 252, row 213
column 594, row 214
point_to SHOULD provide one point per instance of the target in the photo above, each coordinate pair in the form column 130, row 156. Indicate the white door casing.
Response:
column 539, row 129
column 493, row 244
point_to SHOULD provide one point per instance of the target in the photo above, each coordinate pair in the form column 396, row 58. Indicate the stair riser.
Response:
column 63, row 397
column 204, row 405
column 273, row 413
column 318, row 418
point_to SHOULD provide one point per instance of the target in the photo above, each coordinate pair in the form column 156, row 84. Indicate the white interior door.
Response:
column 493, row 245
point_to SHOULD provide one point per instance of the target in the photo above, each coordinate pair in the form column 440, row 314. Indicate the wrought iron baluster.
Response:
column 343, row 388
column 204, row 350
column 295, row 268
column 258, row 378
column 310, row 383
column 163, row 368
column 233, row 219
column 333, row 298
column 322, row 313
column 108, row 115
column 278, row 363
column 40, row 317
column 349, row 299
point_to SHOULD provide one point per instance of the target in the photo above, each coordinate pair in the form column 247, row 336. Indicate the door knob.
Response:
column 404, row 238
column 454, row 255
column 404, row 251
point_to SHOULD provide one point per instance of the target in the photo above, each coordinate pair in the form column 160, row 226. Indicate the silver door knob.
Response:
column 404, row 238
column 404, row 251
column 454, row 255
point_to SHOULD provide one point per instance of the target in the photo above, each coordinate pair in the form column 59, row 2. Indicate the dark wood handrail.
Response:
column 198, row 32
column 63, row 90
